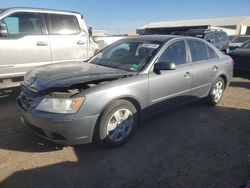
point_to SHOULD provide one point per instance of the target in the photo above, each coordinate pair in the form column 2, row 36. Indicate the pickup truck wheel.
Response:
column 216, row 92
column 116, row 124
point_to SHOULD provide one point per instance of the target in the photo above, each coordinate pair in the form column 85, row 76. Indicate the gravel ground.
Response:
column 192, row 146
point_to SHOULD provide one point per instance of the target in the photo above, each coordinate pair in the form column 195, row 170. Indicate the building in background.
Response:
column 237, row 25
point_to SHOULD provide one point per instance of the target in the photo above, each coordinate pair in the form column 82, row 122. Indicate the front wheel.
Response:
column 216, row 92
column 116, row 124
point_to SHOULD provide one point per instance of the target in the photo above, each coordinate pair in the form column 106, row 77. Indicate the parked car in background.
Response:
column 238, row 41
column 31, row 37
column 103, row 99
column 241, row 57
column 217, row 37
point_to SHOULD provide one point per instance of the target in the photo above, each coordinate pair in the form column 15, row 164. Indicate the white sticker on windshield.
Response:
column 148, row 45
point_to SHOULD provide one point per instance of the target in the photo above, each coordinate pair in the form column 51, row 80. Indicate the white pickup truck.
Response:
column 31, row 37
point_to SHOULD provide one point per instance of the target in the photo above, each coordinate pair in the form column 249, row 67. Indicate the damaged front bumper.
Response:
column 64, row 129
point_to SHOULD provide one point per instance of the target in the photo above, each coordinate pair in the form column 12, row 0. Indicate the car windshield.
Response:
column 246, row 45
column 240, row 39
column 126, row 55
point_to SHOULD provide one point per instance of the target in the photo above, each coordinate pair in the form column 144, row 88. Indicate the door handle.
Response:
column 42, row 43
column 215, row 68
column 80, row 42
column 187, row 74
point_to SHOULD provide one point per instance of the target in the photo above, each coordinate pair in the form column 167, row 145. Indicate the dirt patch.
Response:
column 192, row 146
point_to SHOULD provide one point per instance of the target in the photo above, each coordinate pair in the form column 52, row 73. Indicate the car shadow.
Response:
column 242, row 75
column 240, row 84
column 13, row 135
column 192, row 146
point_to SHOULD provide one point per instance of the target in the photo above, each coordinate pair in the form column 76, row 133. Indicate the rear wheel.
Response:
column 116, row 124
column 216, row 92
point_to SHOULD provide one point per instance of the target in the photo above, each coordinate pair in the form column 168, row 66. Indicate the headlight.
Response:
column 60, row 105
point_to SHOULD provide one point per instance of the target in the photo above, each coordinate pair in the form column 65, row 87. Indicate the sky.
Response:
column 120, row 17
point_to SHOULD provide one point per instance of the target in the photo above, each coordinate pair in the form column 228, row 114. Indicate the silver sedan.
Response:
column 103, row 99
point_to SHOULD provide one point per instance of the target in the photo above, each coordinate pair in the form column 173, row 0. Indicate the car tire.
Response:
column 216, row 92
column 116, row 124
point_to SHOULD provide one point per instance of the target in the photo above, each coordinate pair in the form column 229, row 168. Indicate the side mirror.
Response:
column 90, row 31
column 3, row 30
column 164, row 66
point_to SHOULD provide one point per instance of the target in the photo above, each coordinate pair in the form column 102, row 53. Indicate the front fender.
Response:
column 100, row 96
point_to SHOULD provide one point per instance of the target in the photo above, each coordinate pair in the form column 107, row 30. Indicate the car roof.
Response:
column 156, row 38
column 42, row 10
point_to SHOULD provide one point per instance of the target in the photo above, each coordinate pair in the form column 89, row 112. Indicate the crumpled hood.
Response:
column 67, row 74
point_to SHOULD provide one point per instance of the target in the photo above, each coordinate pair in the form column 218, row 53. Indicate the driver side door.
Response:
column 169, row 88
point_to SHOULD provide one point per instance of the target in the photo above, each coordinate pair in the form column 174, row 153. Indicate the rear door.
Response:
column 68, row 43
column 26, row 46
column 204, row 66
column 171, row 87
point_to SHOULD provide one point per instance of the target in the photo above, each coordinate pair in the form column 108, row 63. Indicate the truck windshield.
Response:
column 128, row 55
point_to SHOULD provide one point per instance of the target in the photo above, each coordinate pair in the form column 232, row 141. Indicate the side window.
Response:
column 63, row 24
column 211, row 53
column 21, row 24
column 175, row 53
column 198, row 50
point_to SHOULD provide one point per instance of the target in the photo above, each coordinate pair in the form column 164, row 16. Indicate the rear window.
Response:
column 217, row 37
column 200, row 51
column 224, row 36
column 211, row 53
column 63, row 24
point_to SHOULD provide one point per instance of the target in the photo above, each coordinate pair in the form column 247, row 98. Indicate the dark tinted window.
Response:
column 217, row 37
column 175, row 53
column 63, row 24
column 198, row 50
column 224, row 36
column 20, row 24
